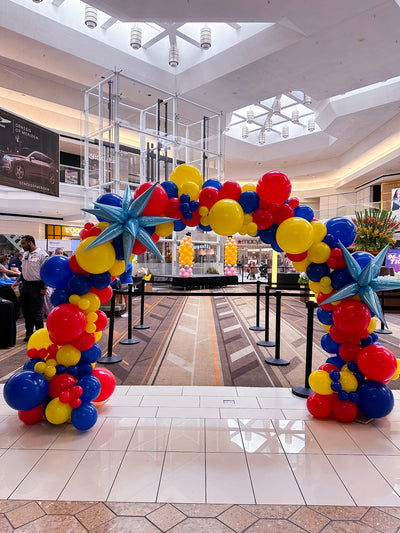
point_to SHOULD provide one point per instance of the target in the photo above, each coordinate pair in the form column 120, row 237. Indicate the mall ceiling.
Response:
column 323, row 48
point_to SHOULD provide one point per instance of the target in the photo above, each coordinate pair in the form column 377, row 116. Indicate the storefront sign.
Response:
column 393, row 259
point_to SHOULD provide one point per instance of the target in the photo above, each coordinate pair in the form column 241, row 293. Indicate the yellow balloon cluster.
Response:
column 230, row 252
column 249, row 227
column 186, row 251
column 189, row 181
column 226, row 217
column 320, row 381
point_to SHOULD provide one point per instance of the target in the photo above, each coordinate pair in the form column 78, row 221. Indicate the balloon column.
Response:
column 230, row 257
column 186, row 257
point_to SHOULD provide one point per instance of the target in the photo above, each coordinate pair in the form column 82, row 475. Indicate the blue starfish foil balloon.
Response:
column 128, row 222
column 365, row 282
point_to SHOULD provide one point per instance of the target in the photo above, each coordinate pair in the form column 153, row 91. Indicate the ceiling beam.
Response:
column 108, row 23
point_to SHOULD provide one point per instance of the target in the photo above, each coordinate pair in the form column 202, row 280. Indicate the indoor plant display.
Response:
column 374, row 229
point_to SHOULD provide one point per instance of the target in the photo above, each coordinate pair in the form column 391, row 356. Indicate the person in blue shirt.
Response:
column 125, row 279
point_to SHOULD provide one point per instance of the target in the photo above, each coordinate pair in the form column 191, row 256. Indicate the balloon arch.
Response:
column 60, row 380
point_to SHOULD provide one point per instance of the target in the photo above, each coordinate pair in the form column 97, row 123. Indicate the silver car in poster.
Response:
column 32, row 165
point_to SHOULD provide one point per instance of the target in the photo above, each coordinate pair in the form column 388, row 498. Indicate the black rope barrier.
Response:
column 257, row 327
column 142, row 325
column 277, row 361
column 382, row 330
column 130, row 339
column 304, row 392
column 266, row 342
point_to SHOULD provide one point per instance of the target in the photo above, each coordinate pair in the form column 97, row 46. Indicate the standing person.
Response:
column 125, row 279
column 59, row 251
column 33, row 288
column 16, row 262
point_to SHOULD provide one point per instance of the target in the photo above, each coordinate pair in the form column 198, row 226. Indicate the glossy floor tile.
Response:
column 183, row 478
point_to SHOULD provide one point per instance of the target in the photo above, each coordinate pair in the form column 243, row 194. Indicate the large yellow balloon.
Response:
column 320, row 382
column 187, row 173
column 117, row 268
column 96, row 260
column 301, row 266
column 319, row 252
column 319, row 230
column 39, row 339
column 371, row 328
column 163, row 230
column 295, row 235
column 226, row 217
column 68, row 355
column 190, row 188
column 57, row 412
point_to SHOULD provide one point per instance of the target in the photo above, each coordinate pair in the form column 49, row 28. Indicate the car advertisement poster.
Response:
column 29, row 155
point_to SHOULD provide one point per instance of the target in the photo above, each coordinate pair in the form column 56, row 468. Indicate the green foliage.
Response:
column 212, row 270
column 374, row 229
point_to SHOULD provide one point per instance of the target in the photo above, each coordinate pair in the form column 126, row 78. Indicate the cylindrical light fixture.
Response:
column 136, row 37
column 37, row 1
column 311, row 124
column 250, row 115
column 245, row 131
column 205, row 37
column 268, row 124
column 276, row 106
column 295, row 116
column 173, row 56
column 90, row 17
column 307, row 100
column 261, row 137
column 285, row 131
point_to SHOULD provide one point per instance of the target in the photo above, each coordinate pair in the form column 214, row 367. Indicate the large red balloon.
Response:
column 352, row 317
column 32, row 416
column 209, row 196
column 343, row 411
column 84, row 341
column 158, row 200
column 377, row 362
column 349, row 351
column 263, row 218
column 338, row 335
column 60, row 383
column 274, row 186
column 320, row 299
column 65, row 322
column 107, row 382
column 101, row 321
column 231, row 190
column 284, row 212
column 172, row 210
column 103, row 294
column 319, row 405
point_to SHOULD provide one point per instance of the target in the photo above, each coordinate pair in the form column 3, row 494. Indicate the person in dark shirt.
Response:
column 16, row 262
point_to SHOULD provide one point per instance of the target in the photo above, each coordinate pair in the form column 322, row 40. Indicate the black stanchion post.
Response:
column 304, row 392
column 266, row 342
column 382, row 329
column 141, row 325
column 257, row 327
column 110, row 358
column 277, row 361
column 130, row 339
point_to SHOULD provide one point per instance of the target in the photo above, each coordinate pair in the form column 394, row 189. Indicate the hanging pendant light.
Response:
column 250, row 115
column 276, row 106
column 173, row 56
column 311, row 124
column 268, row 124
column 205, row 37
column 285, row 131
column 136, row 37
column 90, row 17
column 261, row 137
column 295, row 116
column 307, row 100
column 245, row 131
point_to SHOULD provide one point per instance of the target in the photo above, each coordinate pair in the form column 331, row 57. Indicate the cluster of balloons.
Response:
column 230, row 257
column 186, row 257
column 60, row 380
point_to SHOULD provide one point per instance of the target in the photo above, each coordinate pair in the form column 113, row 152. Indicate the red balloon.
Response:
column 103, row 294
column 284, row 212
column 84, row 341
column 377, row 362
column 32, row 416
column 328, row 367
column 274, row 186
column 230, row 189
column 172, row 210
column 73, row 265
column 195, row 220
column 158, row 199
column 297, row 257
column 65, row 322
column 101, row 321
column 138, row 248
column 32, row 352
column 349, row 351
column 263, row 218
column 294, row 202
column 352, row 316
column 319, row 405
column 209, row 196
column 336, row 259
column 338, row 335
column 344, row 411
column 107, row 382
column 320, row 299
column 60, row 383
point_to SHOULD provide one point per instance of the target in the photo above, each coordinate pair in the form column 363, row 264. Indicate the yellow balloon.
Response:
column 295, row 235
column 94, row 301
column 247, row 219
column 319, row 252
column 49, row 372
column 68, row 355
column 397, row 373
column 203, row 211
column 320, row 382
column 301, row 266
column 252, row 228
column 190, row 188
column 205, row 221
column 348, row 381
column 40, row 367
column 226, row 217
column 98, row 335
column 315, row 286
column 326, row 327
column 39, row 339
column 90, row 328
column 117, row 268
column 57, row 412
column 186, row 173
column 249, row 187
column 371, row 328
column 91, row 316
column 163, row 230
column 83, row 304
column 319, row 230
column 102, row 225
column 96, row 260
column 74, row 299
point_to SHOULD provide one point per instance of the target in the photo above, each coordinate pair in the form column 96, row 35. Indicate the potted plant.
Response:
column 375, row 230
column 303, row 282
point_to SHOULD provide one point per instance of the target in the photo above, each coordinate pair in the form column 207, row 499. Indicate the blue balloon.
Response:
column 73, row 370
column 184, row 208
column 249, row 200
column 55, row 272
column 100, row 281
column 275, row 246
column 212, row 182
column 109, row 198
column 363, row 258
column 194, row 205
column 170, row 188
column 59, row 296
column 316, row 271
column 304, row 211
column 336, row 360
column 118, row 245
column 91, row 355
column 325, row 317
column 329, row 240
column 268, row 235
column 84, row 417
column 342, row 229
column 184, row 198
column 91, row 388
column 188, row 215
column 84, row 369
column 329, row 345
column 375, row 399
column 340, row 278
column 61, row 369
column 179, row 225
column 26, row 390
column 79, row 284
column 204, row 228
column 30, row 364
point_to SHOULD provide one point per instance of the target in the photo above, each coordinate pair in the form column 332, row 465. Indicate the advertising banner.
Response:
column 393, row 259
column 29, row 155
